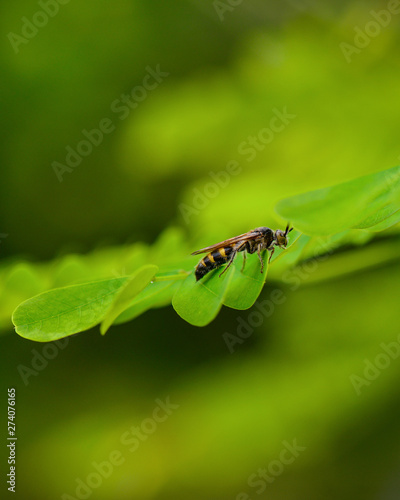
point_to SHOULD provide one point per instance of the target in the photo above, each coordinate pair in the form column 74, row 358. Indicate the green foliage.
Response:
column 65, row 311
column 199, row 302
column 156, row 294
column 327, row 217
column 371, row 200
column 130, row 289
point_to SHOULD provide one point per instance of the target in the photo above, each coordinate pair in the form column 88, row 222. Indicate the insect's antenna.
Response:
column 287, row 230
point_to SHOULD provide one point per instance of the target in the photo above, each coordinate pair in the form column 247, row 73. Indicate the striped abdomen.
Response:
column 212, row 261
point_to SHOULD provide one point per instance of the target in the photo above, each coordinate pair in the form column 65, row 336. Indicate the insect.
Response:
column 256, row 240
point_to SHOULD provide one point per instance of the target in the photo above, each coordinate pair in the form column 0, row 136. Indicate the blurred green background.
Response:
column 229, row 68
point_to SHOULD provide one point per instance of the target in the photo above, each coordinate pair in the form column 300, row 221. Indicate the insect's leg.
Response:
column 259, row 256
column 271, row 254
column 244, row 260
column 235, row 250
column 248, row 247
column 229, row 263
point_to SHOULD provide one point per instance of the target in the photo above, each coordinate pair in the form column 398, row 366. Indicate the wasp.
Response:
column 256, row 240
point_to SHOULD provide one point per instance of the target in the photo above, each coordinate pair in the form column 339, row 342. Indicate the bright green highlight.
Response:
column 361, row 203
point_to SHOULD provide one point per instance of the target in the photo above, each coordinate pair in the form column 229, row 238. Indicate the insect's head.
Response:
column 281, row 236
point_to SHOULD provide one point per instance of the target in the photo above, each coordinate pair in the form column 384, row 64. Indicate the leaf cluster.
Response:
column 344, row 216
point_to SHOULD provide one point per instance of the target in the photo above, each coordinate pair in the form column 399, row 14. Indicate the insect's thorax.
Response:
column 252, row 245
column 265, row 240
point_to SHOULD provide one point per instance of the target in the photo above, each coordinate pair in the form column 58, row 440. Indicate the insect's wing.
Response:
column 242, row 237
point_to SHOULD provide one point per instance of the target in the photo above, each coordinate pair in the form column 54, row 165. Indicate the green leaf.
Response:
column 153, row 296
column 64, row 311
column 156, row 294
column 290, row 256
column 361, row 203
column 131, row 288
column 18, row 283
column 198, row 302
column 376, row 254
column 246, row 286
column 386, row 223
